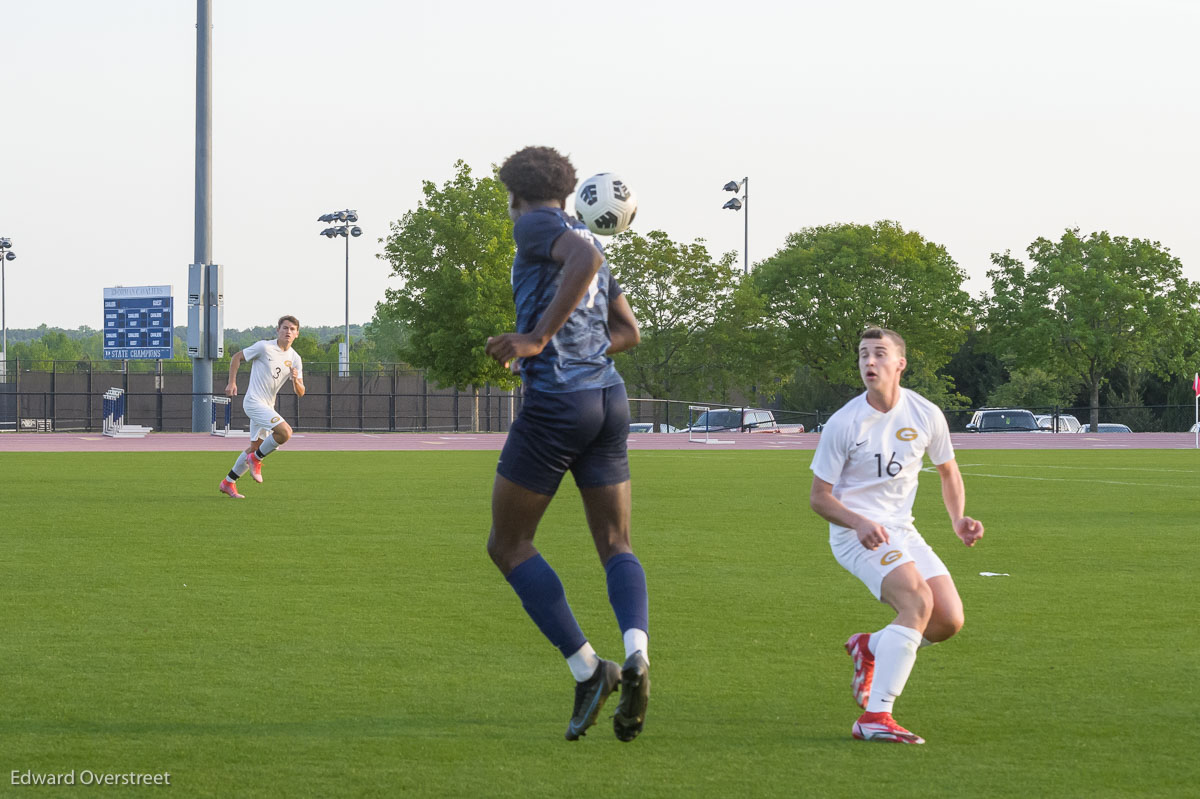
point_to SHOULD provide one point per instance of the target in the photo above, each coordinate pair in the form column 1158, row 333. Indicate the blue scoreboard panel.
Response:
column 138, row 323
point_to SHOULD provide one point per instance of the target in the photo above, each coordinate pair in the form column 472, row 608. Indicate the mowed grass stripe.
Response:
column 342, row 631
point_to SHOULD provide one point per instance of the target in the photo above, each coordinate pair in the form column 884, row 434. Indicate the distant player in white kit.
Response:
column 272, row 363
column 864, row 481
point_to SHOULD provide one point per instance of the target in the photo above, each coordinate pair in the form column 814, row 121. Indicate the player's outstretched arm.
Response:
column 234, row 363
column 623, row 332
column 580, row 262
column 821, row 499
column 954, row 495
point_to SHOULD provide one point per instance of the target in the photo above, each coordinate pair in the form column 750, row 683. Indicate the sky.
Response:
column 982, row 125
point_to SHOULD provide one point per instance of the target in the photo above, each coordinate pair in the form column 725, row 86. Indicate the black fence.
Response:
column 67, row 396
column 392, row 398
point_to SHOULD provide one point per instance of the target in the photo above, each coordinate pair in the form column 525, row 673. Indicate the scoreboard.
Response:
column 138, row 323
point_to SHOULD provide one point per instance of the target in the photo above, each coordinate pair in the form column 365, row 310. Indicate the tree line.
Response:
column 1078, row 316
column 1075, row 320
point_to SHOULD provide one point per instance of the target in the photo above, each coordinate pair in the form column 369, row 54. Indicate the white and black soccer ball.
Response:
column 606, row 204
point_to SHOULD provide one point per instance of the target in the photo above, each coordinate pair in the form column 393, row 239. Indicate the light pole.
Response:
column 346, row 230
column 6, row 254
column 741, row 205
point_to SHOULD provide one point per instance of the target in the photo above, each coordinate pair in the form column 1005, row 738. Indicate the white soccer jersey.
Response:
column 270, row 368
column 872, row 459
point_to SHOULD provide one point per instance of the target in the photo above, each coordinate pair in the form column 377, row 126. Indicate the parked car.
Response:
column 741, row 420
column 1066, row 423
column 1003, row 420
column 648, row 427
column 1106, row 427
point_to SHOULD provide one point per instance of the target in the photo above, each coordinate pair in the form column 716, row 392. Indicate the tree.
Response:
column 691, row 323
column 1031, row 387
column 976, row 371
column 829, row 283
column 1089, row 305
column 453, row 254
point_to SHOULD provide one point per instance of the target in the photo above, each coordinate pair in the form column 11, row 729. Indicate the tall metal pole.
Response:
column 746, row 219
column 4, row 322
column 347, row 296
column 202, row 367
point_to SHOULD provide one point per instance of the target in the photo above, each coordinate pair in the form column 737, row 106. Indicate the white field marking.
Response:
column 1071, row 480
column 1088, row 468
column 458, row 438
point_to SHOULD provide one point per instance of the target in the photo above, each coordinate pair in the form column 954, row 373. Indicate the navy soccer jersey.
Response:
column 574, row 359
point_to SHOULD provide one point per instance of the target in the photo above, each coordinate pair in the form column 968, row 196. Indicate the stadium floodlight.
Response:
column 348, row 217
column 737, row 205
column 8, row 255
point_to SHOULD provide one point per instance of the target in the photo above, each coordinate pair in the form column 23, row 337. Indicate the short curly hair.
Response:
column 537, row 174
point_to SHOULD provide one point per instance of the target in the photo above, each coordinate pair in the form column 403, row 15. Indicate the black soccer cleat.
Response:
column 589, row 698
column 635, row 696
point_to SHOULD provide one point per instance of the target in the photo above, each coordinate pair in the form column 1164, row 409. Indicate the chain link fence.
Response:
column 44, row 396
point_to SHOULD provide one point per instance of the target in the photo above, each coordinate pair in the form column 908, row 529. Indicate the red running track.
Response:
column 409, row 442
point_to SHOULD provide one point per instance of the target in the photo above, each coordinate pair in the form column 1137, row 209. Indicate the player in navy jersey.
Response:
column 571, row 315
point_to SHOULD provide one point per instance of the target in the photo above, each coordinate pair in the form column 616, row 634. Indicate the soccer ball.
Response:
column 606, row 204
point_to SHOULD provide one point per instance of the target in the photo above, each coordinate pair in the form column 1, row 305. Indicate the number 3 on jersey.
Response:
column 892, row 462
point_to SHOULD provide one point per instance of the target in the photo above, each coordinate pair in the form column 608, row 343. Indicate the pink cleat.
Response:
column 864, row 667
column 882, row 727
column 230, row 489
column 255, row 467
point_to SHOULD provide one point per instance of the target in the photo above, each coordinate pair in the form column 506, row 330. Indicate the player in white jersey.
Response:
column 864, row 481
column 272, row 363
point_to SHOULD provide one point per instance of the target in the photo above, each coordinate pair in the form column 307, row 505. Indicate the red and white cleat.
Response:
column 864, row 667
column 230, row 489
column 882, row 727
column 255, row 467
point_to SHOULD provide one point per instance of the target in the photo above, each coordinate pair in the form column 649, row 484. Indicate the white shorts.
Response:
column 263, row 418
column 905, row 545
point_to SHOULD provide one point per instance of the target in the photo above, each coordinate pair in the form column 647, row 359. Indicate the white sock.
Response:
column 894, row 658
column 241, row 465
column 637, row 640
column 584, row 663
column 873, row 641
column 268, row 446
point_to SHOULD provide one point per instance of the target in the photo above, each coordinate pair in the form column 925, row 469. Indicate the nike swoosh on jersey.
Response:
column 860, row 443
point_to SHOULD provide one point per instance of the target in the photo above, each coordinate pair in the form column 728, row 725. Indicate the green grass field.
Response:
column 341, row 632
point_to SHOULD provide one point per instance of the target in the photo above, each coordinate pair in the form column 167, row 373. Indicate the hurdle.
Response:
column 114, row 417
column 691, row 428
column 222, row 416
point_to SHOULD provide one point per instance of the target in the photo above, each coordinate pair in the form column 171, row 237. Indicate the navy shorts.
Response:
column 584, row 431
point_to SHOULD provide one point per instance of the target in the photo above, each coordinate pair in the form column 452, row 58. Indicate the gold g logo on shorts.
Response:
column 890, row 556
column 274, row 419
column 906, row 434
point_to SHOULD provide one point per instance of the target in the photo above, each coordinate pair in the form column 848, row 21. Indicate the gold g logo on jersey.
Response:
column 906, row 434
column 288, row 364
column 891, row 557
